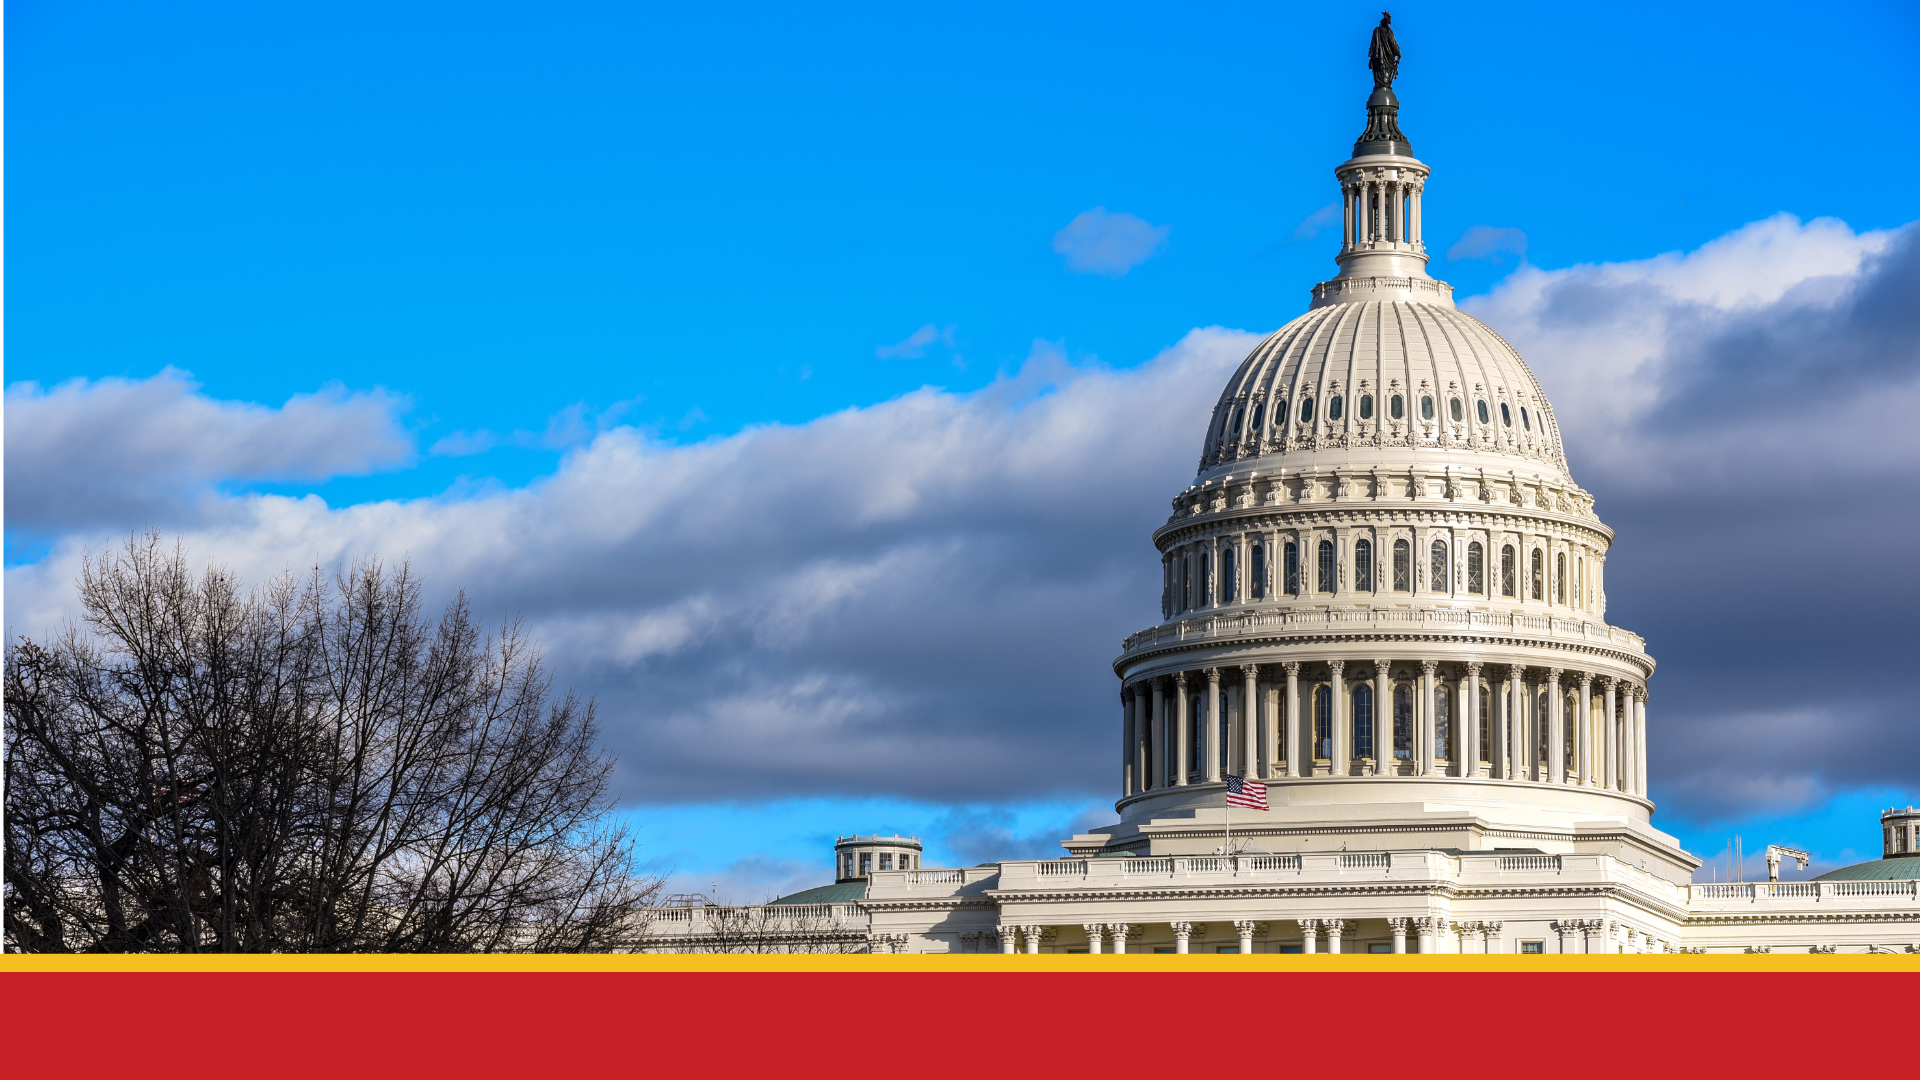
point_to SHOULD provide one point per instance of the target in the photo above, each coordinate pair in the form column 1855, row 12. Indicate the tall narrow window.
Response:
column 1560, row 576
column 1539, row 575
column 1291, row 568
column 1481, row 408
column 1402, row 566
column 1506, row 570
column 1257, row 581
column 1486, row 722
column 1366, row 406
column 1334, row 407
column 1579, row 582
column 1196, row 733
column 1206, row 579
column 1426, row 407
column 1326, row 566
column 1259, row 414
column 1363, row 566
column 1221, row 739
column 1323, row 722
column 1476, row 568
column 1570, row 711
column 1525, row 422
column 1403, row 722
column 1396, row 406
column 1306, row 410
column 1229, row 584
column 1540, row 724
column 1239, row 416
column 1506, row 417
column 1437, row 581
column 1363, row 721
column 1442, row 722
column 1454, row 410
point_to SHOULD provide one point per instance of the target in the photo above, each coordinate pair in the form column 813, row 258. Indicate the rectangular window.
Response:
column 1533, row 948
column 866, row 865
column 1292, row 950
column 1226, row 948
column 1402, row 567
column 1326, row 566
column 1438, row 578
column 1227, row 582
column 1506, row 570
column 1363, row 566
column 1291, row 585
column 1259, row 577
column 1162, row 949
column 1476, row 569
column 886, row 862
column 1378, row 947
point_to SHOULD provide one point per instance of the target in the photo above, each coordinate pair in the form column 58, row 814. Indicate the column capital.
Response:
column 1309, row 927
column 1398, row 926
column 1382, row 669
column 1428, row 667
column 1554, row 673
column 1246, row 927
column 1182, row 929
column 1607, row 682
column 1249, row 671
column 1586, row 679
column 1473, row 668
column 1333, row 926
column 1640, row 694
column 1517, row 672
column 1293, row 667
column 1120, row 931
column 1095, row 931
column 1336, row 666
column 1212, row 674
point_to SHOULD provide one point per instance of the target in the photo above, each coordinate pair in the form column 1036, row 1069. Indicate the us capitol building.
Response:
column 1384, row 596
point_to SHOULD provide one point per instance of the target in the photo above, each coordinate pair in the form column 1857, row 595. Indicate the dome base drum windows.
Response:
column 1560, row 577
column 1257, row 587
column 1402, row 566
column 1228, row 582
column 1290, row 566
column 1325, row 566
column 1476, row 568
column 1403, row 722
column 1333, row 407
column 1506, row 570
column 1363, row 721
column 1363, row 566
column 1426, row 407
column 1442, row 723
column 1323, row 723
column 1206, row 579
column 1539, row 575
column 1397, row 407
column 1486, row 724
column 1366, row 406
column 1437, row 580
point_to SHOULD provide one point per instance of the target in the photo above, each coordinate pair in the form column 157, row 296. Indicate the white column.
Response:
column 1127, row 738
column 1350, row 199
column 1425, row 927
column 1583, row 735
column 1640, row 738
column 1181, row 931
column 1095, row 932
column 1419, row 222
column 1293, row 719
column 1342, row 746
column 1252, row 763
column 1556, row 732
column 1245, row 929
column 1383, row 718
column 1470, row 722
column 1516, row 724
column 1334, row 927
column 1309, row 935
column 1182, row 732
column 1158, row 774
column 1429, row 763
column 1399, row 928
column 1120, row 932
column 1009, row 939
column 1614, row 779
column 1033, row 937
column 1210, row 738
column 1270, row 746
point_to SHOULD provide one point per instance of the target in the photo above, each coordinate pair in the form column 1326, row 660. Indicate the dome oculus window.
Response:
column 1333, row 407
column 1366, row 406
column 1426, row 407
column 1396, row 407
column 1506, row 417
column 1454, row 410
column 1306, row 410
column 1481, row 407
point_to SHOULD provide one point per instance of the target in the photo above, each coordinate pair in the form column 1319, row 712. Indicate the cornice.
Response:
column 1640, row 663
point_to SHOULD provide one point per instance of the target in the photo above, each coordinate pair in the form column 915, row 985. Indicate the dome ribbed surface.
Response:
column 1381, row 349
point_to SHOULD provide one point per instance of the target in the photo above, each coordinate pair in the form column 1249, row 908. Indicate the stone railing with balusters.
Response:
column 1872, row 893
column 1387, row 620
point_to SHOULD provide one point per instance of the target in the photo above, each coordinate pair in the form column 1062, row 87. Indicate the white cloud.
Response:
column 1097, row 242
column 1318, row 221
column 149, row 450
column 1490, row 243
column 915, row 345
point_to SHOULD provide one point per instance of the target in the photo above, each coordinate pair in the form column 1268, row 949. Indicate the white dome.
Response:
column 1321, row 392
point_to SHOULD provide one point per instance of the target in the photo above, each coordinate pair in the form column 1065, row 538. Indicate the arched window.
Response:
column 1259, row 414
column 1290, row 569
column 1437, row 580
column 1560, row 576
column 1333, row 407
column 1402, row 566
column 1486, row 722
column 1323, row 722
column 1426, row 407
column 1540, row 723
column 1363, row 721
column 1506, row 417
column 1228, row 582
column 1506, row 570
column 1524, row 421
column 1363, row 566
column 1539, row 576
column 1442, row 722
column 1396, row 406
column 1366, row 406
column 1454, row 410
column 1403, row 722
column 1257, row 581
column 1306, row 410
column 1325, row 566
column 1476, row 568
column 1481, row 408
column 1206, row 578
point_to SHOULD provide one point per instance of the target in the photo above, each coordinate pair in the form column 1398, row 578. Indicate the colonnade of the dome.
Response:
column 1385, row 717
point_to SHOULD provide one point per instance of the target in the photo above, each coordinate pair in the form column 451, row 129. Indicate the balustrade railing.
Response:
column 1805, row 890
column 1061, row 867
column 1147, row 866
column 1270, row 862
column 1366, row 862
column 1245, row 622
column 937, row 877
column 1530, row 862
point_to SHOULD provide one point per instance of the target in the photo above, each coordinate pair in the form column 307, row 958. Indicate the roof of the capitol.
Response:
column 839, row 893
column 1379, row 348
column 1900, row 868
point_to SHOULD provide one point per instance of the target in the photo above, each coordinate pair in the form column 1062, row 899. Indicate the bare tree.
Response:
column 308, row 767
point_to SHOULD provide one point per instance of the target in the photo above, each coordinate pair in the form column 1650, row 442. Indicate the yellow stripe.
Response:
column 879, row 964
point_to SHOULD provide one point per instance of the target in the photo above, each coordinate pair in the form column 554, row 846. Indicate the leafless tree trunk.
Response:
column 309, row 767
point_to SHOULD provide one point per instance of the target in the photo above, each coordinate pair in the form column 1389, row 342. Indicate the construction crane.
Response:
column 1775, row 853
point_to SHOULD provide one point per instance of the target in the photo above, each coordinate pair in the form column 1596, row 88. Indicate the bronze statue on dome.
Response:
column 1383, row 55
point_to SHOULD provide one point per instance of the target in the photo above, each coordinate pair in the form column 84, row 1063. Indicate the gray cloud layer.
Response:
column 923, row 597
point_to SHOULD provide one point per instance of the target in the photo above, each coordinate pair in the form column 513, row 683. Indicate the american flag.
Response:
column 1242, row 793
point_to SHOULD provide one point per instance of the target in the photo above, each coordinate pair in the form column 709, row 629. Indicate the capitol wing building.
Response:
column 1384, row 598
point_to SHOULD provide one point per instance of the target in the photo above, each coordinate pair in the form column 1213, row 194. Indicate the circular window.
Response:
column 1505, row 416
column 1453, row 409
column 1366, row 406
column 1396, row 407
column 1482, row 406
column 1426, row 407
column 1306, row 410
column 1333, row 407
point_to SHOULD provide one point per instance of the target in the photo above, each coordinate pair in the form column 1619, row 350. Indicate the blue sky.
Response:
column 426, row 261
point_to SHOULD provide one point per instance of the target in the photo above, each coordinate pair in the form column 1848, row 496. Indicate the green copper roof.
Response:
column 1903, row 868
column 843, row 893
